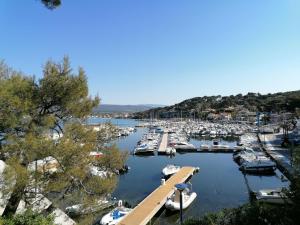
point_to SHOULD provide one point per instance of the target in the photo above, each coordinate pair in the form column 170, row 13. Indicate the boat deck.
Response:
column 144, row 211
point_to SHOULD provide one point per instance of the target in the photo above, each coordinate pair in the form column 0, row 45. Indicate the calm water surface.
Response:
column 219, row 184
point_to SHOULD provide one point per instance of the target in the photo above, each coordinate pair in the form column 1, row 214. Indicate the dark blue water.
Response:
column 219, row 184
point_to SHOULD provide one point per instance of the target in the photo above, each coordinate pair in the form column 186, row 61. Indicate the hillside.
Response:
column 110, row 108
column 253, row 102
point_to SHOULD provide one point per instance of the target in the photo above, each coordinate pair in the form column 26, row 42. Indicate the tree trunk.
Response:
column 14, row 200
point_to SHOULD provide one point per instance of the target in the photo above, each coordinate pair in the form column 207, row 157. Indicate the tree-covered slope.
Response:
column 278, row 102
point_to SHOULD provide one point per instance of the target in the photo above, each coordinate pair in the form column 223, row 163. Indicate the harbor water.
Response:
column 219, row 184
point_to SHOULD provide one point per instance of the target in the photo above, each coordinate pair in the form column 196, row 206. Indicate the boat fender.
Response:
column 163, row 181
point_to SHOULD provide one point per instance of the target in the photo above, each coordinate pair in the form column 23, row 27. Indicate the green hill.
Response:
column 253, row 102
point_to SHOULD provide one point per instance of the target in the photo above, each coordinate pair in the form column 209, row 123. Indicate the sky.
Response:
column 159, row 51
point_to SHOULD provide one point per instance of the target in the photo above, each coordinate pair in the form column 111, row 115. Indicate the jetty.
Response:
column 282, row 162
column 163, row 144
column 145, row 210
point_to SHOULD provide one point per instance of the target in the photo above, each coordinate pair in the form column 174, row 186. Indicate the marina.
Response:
column 220, row 184
column 149, row 112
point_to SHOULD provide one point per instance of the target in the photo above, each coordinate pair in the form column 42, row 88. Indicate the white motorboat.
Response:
column 258, row 166
column 213, row 133
column 204, row 147
column 251, row 157
column 248, row 154
column 170, row 151
column 170, row 170
column 216, row 146
column 184, row 146
column 115, row 216
column 144, row 149
column 173, row 203
column 274, row 196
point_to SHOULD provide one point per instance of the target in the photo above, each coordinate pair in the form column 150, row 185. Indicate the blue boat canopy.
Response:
column 181, row 186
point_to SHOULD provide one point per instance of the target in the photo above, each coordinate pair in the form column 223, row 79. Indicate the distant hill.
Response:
column 110, row 108
column 199, row 106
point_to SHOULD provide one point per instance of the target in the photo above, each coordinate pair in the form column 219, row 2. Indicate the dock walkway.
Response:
column 282, row 161
column 144, row 211
column 163, row 144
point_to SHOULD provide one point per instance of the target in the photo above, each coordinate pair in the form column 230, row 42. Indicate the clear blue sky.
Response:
column 159, row 51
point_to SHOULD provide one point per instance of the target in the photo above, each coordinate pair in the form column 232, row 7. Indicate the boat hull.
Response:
column 175, row 206
column 144, row 152
column 258, row 170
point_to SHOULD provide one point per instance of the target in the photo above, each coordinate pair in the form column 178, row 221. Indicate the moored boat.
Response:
column 184, row 146
column 204, row 147
column 170, row 170
column 173, row 203
column 144, row 149
column 170, row 151
column 216, row 146
column 258, row 166
column 115, row 216
column 273, row 196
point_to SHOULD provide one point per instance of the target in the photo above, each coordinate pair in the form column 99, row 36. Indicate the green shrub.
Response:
column 28, row 218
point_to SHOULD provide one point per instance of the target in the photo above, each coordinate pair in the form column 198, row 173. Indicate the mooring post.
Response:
column 181, row 216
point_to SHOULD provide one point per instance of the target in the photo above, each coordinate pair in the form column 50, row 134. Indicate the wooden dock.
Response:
column 144, row 211
column 163, row 144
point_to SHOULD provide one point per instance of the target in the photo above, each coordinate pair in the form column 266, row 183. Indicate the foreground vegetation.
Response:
column 31, row 111
column 249, row 214
column 28, row 218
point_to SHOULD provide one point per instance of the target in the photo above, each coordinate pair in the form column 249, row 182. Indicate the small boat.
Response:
column 115, row 216
column 248, row 154
column 274, row 196
column 170, row 170
column 204, row 147
column 216, row 146
column 144, row 149
column 213, row 133
column 184, row 146
column 170, row 151
column 258, row 166
column 173, row 203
